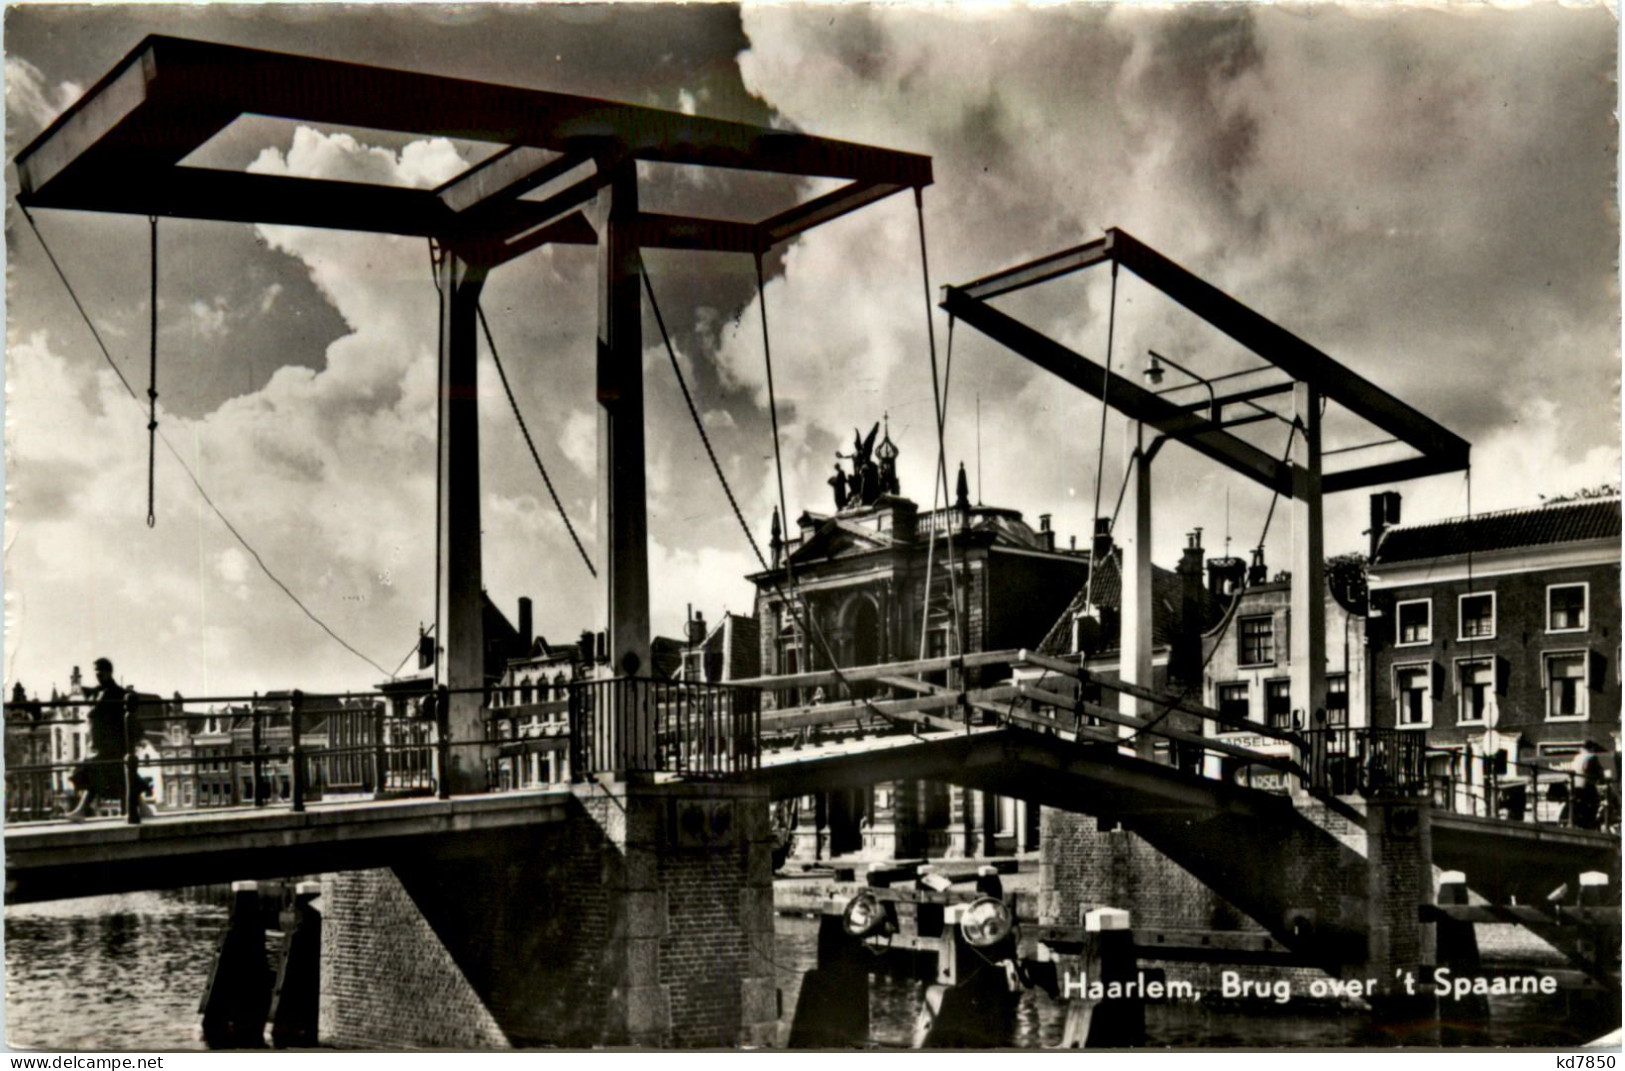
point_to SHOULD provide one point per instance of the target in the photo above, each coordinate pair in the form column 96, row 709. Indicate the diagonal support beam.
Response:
column 513, row 172
column 1041, row 270
column 802, row 217
column 1126, row 396
column 1287, row 351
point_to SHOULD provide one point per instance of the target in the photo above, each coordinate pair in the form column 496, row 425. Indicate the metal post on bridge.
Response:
column 1307, row 627
column 296, row 750
column 256, row 737
column 380, row 754
column 132, row 772
column 460, row 662
column 1137, row 612
column 625, row 729
column 442, row 743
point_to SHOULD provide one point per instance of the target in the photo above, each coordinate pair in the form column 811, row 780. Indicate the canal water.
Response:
column 126, row 973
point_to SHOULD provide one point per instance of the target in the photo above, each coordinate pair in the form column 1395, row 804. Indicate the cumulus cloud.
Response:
column 209, row 319
column 28, row 96
column 1423, row 195
column 579, row 440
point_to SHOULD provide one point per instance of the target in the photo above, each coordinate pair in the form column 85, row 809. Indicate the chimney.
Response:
column 1102, row 545
column 696, row 626
column 1187, row 653
column 1046, row 534
column 526, row 623
column 1224, row 576
column 425, row 649
column 1072, row 542
column 75, row 678
column 1258, row 572
column 587, row 645
column 602, row 656
column 1384, row 515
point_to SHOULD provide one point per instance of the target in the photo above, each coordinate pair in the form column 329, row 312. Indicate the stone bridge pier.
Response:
column 1338, row 884
column 645, row 918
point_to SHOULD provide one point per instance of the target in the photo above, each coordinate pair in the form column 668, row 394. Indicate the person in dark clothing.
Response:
column 1588, row 790
column 101, row 776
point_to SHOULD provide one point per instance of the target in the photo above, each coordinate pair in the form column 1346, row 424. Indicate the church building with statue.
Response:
column 877, row 579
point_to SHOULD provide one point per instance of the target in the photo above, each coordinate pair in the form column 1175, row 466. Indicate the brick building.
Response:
column 529, row 713
column 860, row 581
column 1248, row 657
column 730, row 650
column 1089, row 630
column 1498, row 635
column 29, row 792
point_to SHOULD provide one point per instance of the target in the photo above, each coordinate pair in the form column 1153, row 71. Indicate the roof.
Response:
column 843, row 535
column 667, row 656
column 1567, row 522
column 1107, row 593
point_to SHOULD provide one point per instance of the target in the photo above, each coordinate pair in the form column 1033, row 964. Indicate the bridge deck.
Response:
column 57, row 860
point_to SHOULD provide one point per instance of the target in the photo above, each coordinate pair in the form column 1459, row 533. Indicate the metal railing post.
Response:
column 132, row 774
column 380, row 757
column 442, row 733
column 296, row 755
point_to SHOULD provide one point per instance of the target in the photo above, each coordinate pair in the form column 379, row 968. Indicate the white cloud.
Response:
column 579, row 440
column 209, row 320
column 29, row 97
column 269, row 297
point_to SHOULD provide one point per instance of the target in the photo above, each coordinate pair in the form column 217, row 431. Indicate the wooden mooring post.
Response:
column 295, row 1000
column 1103, row 957
column 239, row 990
column 971, row 992
column 832, row 1011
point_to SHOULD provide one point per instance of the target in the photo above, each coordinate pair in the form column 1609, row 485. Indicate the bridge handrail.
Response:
column 830, row 678
column 1172, row 701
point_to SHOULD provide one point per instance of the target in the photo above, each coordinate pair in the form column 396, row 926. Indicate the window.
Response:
column 1278, row 703
column 1476, row 691
column 1234, row 701
column 1477, row 616
column 1566, row 685
column 1337, row 700
column 1415, row 621
column 1257, row 641
column 1566, row 607
column 1413, row 696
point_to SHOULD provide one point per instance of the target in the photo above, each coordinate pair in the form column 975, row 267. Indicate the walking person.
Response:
column 1588, row 792
column 101, row 775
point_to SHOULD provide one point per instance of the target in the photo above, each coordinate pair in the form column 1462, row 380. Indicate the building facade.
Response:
column 878, row 581
column 1498, row 638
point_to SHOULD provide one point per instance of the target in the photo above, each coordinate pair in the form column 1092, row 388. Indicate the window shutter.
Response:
column 1503, row 674
column 1438, row 682
column 1597, row 664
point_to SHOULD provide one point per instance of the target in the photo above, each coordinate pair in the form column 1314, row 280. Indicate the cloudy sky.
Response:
column 1425, row 195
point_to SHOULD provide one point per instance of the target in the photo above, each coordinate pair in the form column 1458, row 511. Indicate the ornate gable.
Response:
column 836, row 538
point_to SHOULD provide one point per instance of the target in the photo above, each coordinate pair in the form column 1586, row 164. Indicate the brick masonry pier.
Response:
column 645, row 918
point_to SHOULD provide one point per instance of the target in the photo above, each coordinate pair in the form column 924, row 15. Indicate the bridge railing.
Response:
column 1537, row 793
column 209, row 753
column 1366, row 761
column 692, row 729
